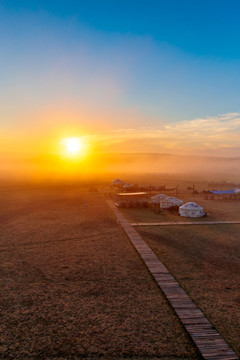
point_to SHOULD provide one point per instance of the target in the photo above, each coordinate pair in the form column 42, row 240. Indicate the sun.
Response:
column 73, row 146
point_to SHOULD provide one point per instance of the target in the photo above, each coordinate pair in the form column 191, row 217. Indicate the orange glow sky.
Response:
column 132, row 85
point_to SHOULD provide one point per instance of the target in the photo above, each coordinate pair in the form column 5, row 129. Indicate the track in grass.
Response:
column 207, row 339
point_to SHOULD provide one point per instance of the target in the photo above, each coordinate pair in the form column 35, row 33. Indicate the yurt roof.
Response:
column 191, row 206
column 172, row 200
column 159, row 196
column 118, row 181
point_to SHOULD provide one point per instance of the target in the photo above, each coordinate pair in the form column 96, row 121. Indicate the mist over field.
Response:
column 114, row 164
column 172, row 164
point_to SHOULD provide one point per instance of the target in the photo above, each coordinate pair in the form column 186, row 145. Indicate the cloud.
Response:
column 212, row 136
column 215, row 135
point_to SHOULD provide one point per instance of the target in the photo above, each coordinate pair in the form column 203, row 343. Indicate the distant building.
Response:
column 118, row 182
column 132, row 200
column 222, row 194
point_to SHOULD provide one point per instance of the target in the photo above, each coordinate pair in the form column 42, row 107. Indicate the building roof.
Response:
column 191, row 206
column 133, row 194
column 118, row 181
column 219, row 192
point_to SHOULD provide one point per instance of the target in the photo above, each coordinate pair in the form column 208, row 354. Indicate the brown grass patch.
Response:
column 206, row 262
column 72, row 286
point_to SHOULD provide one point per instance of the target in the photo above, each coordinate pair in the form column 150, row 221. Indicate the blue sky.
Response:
column 206, row 27
column 117, row 65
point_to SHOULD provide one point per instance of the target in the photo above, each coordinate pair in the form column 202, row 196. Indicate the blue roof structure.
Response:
column 218, row 192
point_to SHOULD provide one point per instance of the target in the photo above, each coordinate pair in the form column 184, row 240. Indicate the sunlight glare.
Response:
column 73, row 146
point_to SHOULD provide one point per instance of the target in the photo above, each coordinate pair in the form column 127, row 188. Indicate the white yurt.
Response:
column 191, row 209
column 117, row 182
column 158, row 198
column 170, row 201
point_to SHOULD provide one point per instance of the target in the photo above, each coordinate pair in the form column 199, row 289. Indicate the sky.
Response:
column 128, row 75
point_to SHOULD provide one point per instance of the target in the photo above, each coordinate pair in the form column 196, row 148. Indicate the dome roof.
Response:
column 171, row 201
column 118, row 181
column 191, row 206
column 159, row 197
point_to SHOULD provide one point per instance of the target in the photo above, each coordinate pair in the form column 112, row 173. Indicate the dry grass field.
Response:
column 218, row 210
column 73, row 287
column 205, row 259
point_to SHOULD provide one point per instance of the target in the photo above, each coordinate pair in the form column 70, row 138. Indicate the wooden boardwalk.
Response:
column 207, row 339
column 185, row 223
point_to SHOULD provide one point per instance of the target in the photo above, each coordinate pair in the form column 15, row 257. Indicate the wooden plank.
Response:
column 209, row 342
column 186, row 223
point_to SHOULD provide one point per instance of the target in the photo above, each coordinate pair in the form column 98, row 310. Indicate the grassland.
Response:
column 205, row 259
column 73, row 287
column 218, row 210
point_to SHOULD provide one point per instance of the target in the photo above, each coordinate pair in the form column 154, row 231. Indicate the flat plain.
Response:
column 72, row 285
column 205, row 259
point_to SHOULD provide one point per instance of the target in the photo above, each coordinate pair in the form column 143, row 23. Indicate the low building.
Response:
column 222, row 194
column 132, row 200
